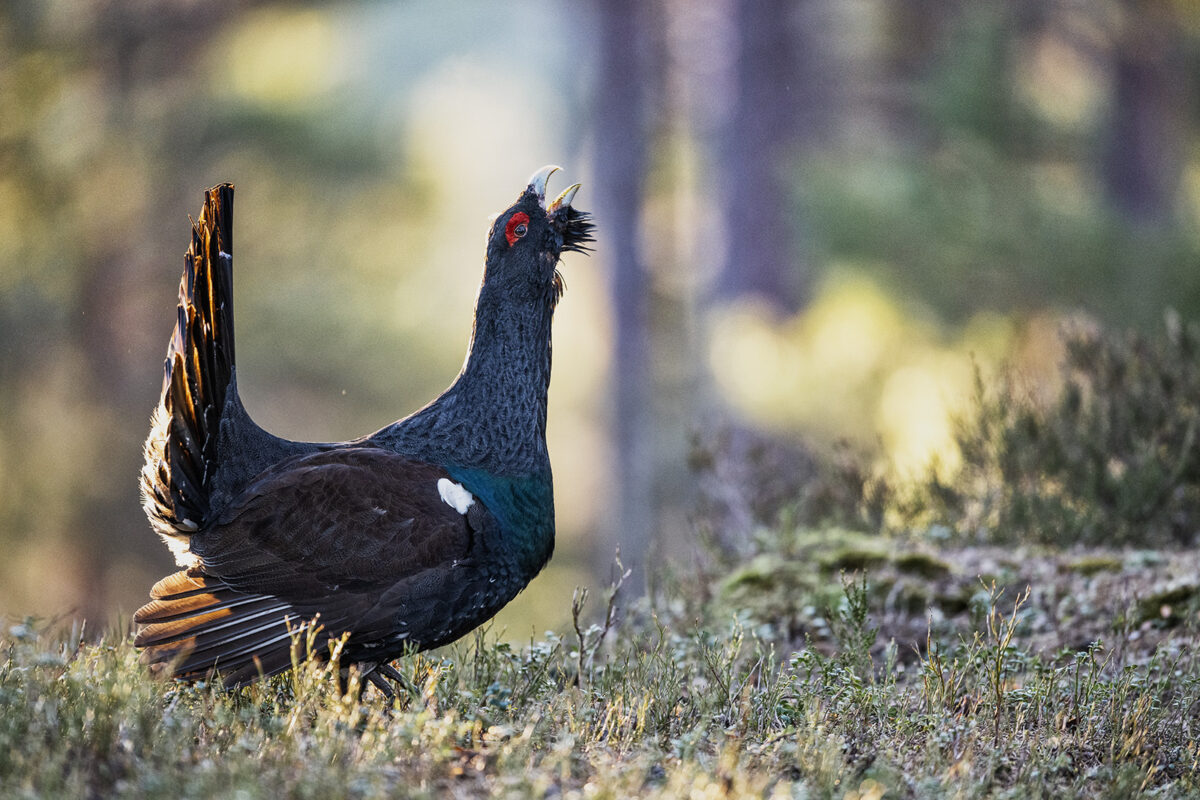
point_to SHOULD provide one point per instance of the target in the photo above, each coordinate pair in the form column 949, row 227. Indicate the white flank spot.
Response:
column 455, row 495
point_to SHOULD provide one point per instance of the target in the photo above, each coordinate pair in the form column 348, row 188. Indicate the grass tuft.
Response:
column 654, row 702
column 935, row 667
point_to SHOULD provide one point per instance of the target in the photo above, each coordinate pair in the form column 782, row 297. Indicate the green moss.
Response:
column 770, row 589
column 912, row 598
column 1169, row 606
column 922, row 564
column 765, row 573
column 954, row 602
column 853, row 558
column 1094, row 565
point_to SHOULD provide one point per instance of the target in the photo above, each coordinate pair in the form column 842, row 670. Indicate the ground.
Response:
column 825, row 664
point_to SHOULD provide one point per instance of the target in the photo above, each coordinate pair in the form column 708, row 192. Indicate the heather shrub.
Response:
column 1110, row 459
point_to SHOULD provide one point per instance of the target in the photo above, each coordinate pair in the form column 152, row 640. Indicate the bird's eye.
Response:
column 518, row 226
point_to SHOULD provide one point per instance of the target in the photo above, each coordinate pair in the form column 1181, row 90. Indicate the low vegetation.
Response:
column 983, row 646
column 682, row 698
column 1112, row 458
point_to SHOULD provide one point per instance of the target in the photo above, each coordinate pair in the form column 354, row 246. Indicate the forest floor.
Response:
column 826, row 664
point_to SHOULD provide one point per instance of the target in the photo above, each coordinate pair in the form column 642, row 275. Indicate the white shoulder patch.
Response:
column 455, row 495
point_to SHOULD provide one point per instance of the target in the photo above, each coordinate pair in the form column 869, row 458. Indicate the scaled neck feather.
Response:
column 493, row 417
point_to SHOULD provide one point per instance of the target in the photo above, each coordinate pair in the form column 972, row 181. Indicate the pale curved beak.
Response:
column 564, row 199
column 537, row 182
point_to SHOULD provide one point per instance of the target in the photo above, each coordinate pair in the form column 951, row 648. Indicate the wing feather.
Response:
column 355, row 538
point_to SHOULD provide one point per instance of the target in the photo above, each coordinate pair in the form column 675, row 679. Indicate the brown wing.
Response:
column 332, row 534
column 350, row 518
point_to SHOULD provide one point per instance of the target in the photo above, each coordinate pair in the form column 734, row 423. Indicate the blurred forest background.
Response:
column 816, row 218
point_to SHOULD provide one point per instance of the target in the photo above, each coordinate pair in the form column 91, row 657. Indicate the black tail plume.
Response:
column 181, row 452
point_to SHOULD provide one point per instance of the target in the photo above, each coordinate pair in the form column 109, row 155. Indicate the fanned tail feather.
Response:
column 196, row 624
column 181, row 451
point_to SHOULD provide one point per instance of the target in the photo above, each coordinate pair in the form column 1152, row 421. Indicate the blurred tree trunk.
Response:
column 780, row 100
column 133, row 51
column 1146, row 151
column 621, row 157
column 916, row 31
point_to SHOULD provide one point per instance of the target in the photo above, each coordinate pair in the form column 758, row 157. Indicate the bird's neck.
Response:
column 493, row 417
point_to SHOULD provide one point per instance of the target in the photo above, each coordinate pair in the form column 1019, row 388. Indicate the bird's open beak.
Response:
column 537, row 182
column 537, row 185
column 564, row 199
column 575, row 225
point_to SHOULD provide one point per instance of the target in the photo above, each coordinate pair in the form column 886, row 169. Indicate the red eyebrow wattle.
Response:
column 510, row 230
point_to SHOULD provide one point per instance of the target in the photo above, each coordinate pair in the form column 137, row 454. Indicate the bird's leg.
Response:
column 378, row 676
column 392, row 674
column 366, row 675
column 382, row 685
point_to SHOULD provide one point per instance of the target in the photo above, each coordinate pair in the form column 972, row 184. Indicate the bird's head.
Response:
column 527, row 240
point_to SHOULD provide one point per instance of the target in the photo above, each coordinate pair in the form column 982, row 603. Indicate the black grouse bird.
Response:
column 405, row 539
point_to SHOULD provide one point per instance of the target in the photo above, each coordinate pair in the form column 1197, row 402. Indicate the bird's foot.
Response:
column 379, row 675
